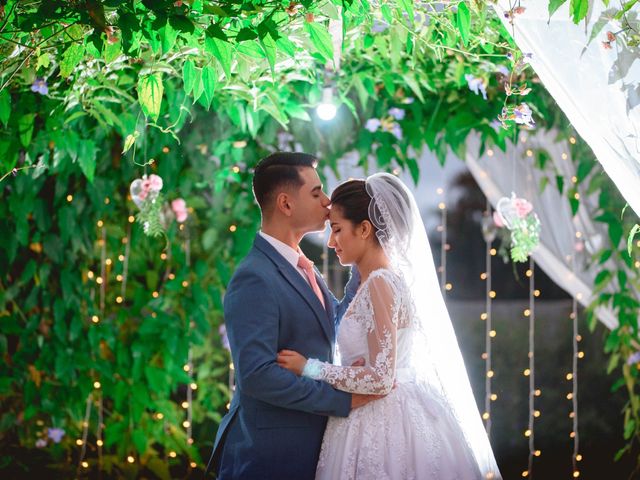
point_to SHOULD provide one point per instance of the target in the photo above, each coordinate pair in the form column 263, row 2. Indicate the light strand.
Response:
column 489, row 235
column 85, row 431
column 576, row 457
column 531, row 370
column 443, row 244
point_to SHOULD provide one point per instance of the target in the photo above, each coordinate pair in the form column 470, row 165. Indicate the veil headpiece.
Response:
column 435, row 354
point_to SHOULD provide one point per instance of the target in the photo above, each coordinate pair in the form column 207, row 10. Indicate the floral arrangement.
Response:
column 518, row 216
column 155, row 214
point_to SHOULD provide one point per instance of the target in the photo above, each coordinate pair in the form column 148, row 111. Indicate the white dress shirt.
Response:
column 289, row 254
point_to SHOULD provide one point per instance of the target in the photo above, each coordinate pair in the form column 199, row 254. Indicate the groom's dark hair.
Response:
column 279, row 170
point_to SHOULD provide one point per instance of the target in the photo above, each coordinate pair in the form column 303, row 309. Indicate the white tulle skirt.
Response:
column 408, row 434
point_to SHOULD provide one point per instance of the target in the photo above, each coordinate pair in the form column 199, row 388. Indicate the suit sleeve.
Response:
column 252, row 318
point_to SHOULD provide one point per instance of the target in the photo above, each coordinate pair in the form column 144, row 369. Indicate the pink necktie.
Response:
column 307, row 266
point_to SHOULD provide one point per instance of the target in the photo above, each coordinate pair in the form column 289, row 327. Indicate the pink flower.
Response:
column 179, row 207
column 497, row 219
column 523, row 207
column 579, row 246
column 155, row 182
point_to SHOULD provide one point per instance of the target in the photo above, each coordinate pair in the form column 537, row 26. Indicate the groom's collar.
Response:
column 288, row 253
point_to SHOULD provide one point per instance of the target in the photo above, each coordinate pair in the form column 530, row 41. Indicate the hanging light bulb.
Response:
column 326, row 110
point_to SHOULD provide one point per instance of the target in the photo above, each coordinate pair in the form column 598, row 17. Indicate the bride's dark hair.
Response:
column 352, row 199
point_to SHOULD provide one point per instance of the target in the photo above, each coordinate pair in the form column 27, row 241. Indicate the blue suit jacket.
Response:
column 276, row 421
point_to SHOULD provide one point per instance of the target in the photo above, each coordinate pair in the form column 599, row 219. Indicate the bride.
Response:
column 427, row 425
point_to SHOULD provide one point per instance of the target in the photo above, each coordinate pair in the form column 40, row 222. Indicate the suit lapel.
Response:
column 299, row 284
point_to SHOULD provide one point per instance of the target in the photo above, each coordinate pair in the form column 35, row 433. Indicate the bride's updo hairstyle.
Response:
column 352, row 199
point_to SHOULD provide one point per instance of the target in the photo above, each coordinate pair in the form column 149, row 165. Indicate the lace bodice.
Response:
column 375, row 327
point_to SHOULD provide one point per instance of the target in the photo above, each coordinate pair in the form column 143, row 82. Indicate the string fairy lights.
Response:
column 530, row 312
column 489, row 232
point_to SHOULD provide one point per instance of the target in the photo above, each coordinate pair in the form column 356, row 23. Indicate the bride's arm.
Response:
column 379, row 375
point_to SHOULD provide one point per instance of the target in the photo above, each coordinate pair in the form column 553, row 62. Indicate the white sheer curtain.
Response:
column 567, row 243
column 597, row 88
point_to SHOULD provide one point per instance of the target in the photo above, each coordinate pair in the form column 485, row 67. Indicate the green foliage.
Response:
column 204, row 89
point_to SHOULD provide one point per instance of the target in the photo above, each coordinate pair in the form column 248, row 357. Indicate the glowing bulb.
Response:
column 108, row 261
column 236, row 169
column 90, row 274
column 155, row 294
column 493, row 252
column 69, row 198
column 569, row 396
column 186, row 368
column 529, row 273
column 131, row 219
column 537, row 453
column 529, row 153
column 572, row 140
column 569, row 376
column 580, row 354
column 492, row 294
column 576, row 474
column 490, row 374
column 79, row 442
column 159, row 416
column 527, row 312
column 118, row 299
column 526, row 372
column 483, row 316
column 572, row 434
column 441, row 206
column 100, row 223
column 578, row 457
column 95, row 319
column 494, row 397
column 536, row 413
column 483, row 276
column 232, row 228
column 537, row 393
column 326, row 110
column 485, row 415
column 489, row 153
column 186, row 424
column 536, row 293
column 194, row 386
column 99, row 280
column 119, row 277
column 173, row 454
column 163, row 256
column 99, row 443
column 185, row 284
column 85, row 464
column 492, row 333
column 448, row 286
column 172, row 276
column 96, row 384
column 574, row 179
column 130, row 459
column 484, row 356
column 121, row 257
column 527, row 433
column 185, row 405
column 193, row 464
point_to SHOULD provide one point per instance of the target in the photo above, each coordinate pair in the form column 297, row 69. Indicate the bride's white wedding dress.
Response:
column 410, row 433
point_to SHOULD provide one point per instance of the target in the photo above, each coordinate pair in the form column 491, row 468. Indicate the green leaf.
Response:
column 198, row 88
column 223, row 51
column 615, row 233
column 407, row 6
column 554, row 5
column 70, row 59
column 87, row 158
column 579, row 9
column 414, row 169
column 150, row 91
column 269, row 47
column 188, row 76
column 295, row 110
column 208, row 83
column 463, row 20
column 5, row 106
column 129, row 141
column 320, row 38
column 139, row 438
column 25, row 128
column 632, row 234
column 603, row 277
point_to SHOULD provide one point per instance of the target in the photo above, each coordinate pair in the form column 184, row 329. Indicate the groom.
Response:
column 275, row 301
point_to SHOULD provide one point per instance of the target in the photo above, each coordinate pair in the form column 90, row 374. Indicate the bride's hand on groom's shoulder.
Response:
column 292, row 361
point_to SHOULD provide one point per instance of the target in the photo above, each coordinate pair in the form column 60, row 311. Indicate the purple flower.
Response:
column 503, row 70
column 634, row 358
column 397, row 113
column 55, row 434
column 372, row 124
column 522, row 115
column 40, row 86
column 396, row 131
column 476, row 85
column 41, row 443
column 222, row 330
column 379, row 26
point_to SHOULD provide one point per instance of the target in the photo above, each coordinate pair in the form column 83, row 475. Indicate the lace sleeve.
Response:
column 377, row 376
